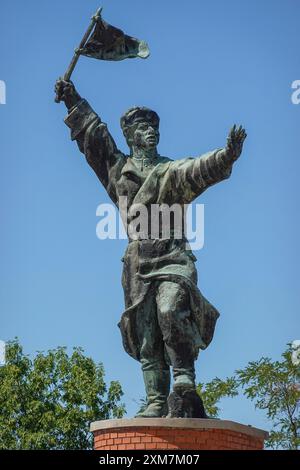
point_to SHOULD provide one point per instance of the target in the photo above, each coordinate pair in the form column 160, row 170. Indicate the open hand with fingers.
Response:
column 235, row 141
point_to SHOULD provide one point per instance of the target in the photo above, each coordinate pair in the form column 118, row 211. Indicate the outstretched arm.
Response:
column 192, row 176
column 91, row 134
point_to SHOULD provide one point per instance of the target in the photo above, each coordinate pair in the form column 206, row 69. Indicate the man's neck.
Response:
column 143, row 154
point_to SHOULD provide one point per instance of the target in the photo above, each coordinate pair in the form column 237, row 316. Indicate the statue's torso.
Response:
column 133, row 175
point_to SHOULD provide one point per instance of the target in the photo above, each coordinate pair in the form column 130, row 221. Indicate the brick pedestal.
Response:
column 175, row 433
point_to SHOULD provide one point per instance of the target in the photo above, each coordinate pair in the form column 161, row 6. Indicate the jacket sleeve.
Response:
column 96, row 143
column 192, row 176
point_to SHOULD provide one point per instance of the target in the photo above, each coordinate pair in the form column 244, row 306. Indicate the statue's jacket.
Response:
column 148, row 261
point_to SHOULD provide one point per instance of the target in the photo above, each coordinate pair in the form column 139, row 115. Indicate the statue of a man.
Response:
column 167, row 319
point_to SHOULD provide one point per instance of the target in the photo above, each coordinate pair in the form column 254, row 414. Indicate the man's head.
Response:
column 141, row 128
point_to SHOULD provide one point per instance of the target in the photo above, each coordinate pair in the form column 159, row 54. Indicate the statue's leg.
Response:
column 179, row 332
column 156, row 372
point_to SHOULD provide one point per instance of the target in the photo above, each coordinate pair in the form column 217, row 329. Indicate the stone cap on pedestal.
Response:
column 189, row 423
column 175, row 433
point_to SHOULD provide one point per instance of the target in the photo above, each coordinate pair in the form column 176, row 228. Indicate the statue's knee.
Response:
column 154, row 364
column 173, row 308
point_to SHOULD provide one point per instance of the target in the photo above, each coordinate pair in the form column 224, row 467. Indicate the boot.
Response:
column 157, row 385
column 181, row 357
column 184, row 379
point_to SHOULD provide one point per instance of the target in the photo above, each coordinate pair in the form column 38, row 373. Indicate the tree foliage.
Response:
column 273, row 386
column 212, row 392
column 49, row 402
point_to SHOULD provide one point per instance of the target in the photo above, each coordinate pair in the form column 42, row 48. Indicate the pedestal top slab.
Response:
column 183, row 423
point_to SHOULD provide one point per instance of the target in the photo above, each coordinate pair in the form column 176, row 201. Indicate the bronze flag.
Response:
column 110, row 43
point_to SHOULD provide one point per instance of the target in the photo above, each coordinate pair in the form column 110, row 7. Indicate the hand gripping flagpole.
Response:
column 76, row 56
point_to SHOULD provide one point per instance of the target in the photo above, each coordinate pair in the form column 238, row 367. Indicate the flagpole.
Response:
column 76, row 56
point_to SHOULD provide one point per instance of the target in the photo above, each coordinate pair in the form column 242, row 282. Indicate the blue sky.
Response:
column 213, row 63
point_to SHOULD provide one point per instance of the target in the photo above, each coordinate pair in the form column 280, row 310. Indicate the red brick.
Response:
column 140, row 446
column 159, row 439
column 118, row 441
column 140, row 434
column 150, row 446
column 171, row 446
column 126, row 440
column 162, row 446
column 174, row 438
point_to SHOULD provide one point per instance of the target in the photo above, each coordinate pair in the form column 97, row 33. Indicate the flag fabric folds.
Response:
column 110, row 43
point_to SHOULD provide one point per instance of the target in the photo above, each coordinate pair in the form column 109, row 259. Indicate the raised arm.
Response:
column 91, row 135
column 192, row 176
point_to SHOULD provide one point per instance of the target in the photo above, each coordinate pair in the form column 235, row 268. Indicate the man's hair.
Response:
column 138, row 114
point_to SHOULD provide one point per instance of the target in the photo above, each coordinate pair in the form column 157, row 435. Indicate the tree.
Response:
column 212, row 392
column 49, row 402
column 273, row 386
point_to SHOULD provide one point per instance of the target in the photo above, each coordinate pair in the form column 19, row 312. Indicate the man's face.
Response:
column 145, row 135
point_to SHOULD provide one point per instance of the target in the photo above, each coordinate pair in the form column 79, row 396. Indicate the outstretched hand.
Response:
column 235, row 141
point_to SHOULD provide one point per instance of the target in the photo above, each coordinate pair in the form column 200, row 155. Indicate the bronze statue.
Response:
column 167, row 319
